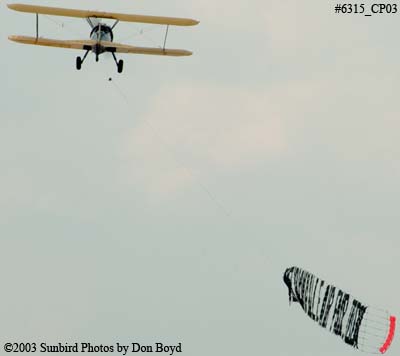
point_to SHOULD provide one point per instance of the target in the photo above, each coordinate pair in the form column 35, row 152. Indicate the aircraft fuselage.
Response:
column 101, row 32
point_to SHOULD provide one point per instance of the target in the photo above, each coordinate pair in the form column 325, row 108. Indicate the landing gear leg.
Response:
column 120, row 63
column 80, row 60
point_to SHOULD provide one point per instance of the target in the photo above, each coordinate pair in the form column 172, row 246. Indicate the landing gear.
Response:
column 120, row 66
column 120, row 63
column 80, row 60
column 78, row 63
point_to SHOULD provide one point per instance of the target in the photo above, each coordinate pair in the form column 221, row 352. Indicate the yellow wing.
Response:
column 78, row 44
column 121, row 48
column 159, row 20
column 108, row 46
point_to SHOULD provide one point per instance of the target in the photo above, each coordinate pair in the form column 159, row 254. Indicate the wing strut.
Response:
column 115, row 24
column 165, row 39
column 37, row 26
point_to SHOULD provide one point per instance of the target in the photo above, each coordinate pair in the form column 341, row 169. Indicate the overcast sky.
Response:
column 165, row 205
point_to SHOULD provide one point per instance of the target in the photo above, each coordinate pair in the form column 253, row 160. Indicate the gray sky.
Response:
column 165, row 205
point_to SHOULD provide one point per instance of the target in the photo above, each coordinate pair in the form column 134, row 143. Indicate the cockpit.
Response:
column 102, row 32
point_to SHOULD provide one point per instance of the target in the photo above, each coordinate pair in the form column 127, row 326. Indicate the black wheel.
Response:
column 78, row 63
column 120, row 66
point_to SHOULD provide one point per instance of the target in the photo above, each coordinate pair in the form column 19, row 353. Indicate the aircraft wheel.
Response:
column 120, row 66
column 78, row 63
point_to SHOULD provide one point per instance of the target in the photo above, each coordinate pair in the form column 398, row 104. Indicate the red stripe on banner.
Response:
column 390, row 336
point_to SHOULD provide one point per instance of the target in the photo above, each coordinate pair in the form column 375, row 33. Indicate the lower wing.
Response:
column 108, row 46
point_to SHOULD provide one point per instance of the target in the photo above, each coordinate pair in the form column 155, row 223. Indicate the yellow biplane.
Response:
column 101, row 35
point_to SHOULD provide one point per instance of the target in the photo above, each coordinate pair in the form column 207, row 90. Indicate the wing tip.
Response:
column 180, row 53
column 22, row 39
column 13, row 38
column 186, row 53
column 191, row 22
column 15, row 6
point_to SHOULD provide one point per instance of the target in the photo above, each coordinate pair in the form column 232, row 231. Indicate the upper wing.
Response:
column 106, row 15
column 108, row 46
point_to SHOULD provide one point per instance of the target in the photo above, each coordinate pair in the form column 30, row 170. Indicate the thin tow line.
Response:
column 179, row 163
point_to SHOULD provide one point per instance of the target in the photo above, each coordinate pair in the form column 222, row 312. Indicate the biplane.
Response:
column 101, row 35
